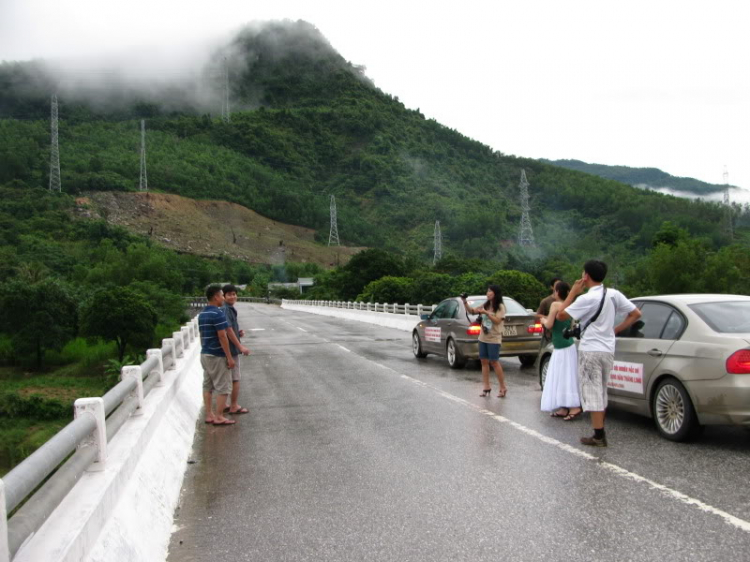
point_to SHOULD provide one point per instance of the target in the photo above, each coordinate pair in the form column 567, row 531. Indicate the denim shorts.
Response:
column 489, row 351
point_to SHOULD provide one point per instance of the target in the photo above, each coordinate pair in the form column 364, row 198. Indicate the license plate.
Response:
column 509, row 331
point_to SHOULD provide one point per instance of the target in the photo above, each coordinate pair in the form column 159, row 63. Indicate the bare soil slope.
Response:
column 211, row 228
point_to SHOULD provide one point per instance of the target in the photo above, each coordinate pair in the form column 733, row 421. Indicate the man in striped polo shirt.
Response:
column 216, row 358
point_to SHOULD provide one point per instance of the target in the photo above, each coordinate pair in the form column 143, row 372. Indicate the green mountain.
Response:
column 652, row 178
column 307, row 124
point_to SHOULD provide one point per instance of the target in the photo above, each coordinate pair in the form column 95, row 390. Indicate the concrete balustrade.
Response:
column 94, row 407
column 401, row 317
column 92, row 507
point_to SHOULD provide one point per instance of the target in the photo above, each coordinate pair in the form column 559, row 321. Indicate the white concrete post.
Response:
column 135, row 372
column 169, row 342
column 160, row 369
column 419, row 310
column 4, row 548
column 98, row 438
column 186, row 336
column 406, row 309
column 179, row 345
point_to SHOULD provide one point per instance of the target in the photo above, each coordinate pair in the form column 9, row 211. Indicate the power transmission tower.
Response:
column 727, row 206
column 526, row 234
column 225, row 114
column 438, row 244
column 333, row 237
column 54, row 161
column 143, row 184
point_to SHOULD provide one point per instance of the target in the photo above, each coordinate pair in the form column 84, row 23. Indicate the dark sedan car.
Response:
column 452, row 332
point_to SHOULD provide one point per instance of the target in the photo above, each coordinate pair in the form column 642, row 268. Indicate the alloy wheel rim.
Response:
column 545, row 367
column 451, row 353
column 670, row 409
column 415, row 343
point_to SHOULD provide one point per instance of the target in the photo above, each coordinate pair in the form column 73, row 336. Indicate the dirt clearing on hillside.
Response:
column 211, row 228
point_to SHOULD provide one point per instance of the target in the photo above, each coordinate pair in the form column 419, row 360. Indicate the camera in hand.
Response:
column 464, row 295
column 572, row 332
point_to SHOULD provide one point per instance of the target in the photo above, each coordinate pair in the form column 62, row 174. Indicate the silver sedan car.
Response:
column 685, row 363
column 452, row 332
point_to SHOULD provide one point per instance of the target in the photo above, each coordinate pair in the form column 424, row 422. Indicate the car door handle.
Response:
column 654, row 353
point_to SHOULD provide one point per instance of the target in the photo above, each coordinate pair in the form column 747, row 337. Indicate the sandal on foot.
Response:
column 486, row 392
column 502, row 392
column 571, row 417
column 240, row 410
column 559, row 413
column 225, row 422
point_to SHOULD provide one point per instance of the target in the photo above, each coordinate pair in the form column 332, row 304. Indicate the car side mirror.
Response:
column 425, row 317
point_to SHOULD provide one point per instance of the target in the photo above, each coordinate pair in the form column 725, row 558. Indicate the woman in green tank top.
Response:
column 560, row 395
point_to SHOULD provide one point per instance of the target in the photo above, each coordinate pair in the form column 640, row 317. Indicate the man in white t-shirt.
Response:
column 596, row 352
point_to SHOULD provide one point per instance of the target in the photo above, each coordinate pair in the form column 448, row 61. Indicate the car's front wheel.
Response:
column 543, row 368
column 455, row 359
column 416, row 346
column 673, row 411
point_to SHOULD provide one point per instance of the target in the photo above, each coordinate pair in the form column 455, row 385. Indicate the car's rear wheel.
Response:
column 527, row 360
column 543, row 368
column 455, row 359
column 673, row 411
column 416, row 346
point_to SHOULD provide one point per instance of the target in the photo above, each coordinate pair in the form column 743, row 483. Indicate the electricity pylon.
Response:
column 727, row 206
column 143, row 184
column 438, row 244
column 526, row 234
column 54, row 158
column 225, row 114
column 333, row 237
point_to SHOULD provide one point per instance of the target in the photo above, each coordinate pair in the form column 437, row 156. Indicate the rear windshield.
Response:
column 730, row 317
column 511, row 306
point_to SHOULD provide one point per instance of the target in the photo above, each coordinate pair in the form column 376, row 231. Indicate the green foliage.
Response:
column 388, row 289
column 121, row 315
column 364, row 267
column 37, row 316
column 430, row 288
column 520, row 286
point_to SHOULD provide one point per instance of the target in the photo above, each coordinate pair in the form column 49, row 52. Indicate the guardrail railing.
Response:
column 81, row 445
column 200, row 302
column 406, row 309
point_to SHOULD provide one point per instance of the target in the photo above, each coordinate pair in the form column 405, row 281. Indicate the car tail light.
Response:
column 739, row 362
column 474, row 330
column 535, row 329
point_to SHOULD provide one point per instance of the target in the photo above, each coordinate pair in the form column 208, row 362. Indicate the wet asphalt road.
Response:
column 355, row 450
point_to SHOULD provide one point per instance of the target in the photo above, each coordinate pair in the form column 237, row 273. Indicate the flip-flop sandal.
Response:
column 571, row 417
column 226, row 422
column 558, row 414
column 240, row 411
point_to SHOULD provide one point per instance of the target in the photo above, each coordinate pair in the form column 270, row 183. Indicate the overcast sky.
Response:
column 655, row 83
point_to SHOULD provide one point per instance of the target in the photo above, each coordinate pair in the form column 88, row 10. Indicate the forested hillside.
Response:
column 639, row 177
column 308, row 124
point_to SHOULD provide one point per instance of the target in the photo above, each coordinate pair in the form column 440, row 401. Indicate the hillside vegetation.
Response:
column 639, row 177
column 309, row 124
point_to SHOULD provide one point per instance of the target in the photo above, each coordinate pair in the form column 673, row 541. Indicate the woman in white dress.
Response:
column 560, row 395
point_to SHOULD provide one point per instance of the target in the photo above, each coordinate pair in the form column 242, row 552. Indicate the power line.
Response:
column 225, row 114
column 438, row 244
column 526, row 234
column 54, row 158
column 143, row 183
column 333, row 236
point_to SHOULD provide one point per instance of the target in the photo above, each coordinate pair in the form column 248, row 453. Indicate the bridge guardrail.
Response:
column 200, row 302
column 97, row 421
column 405, row 309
